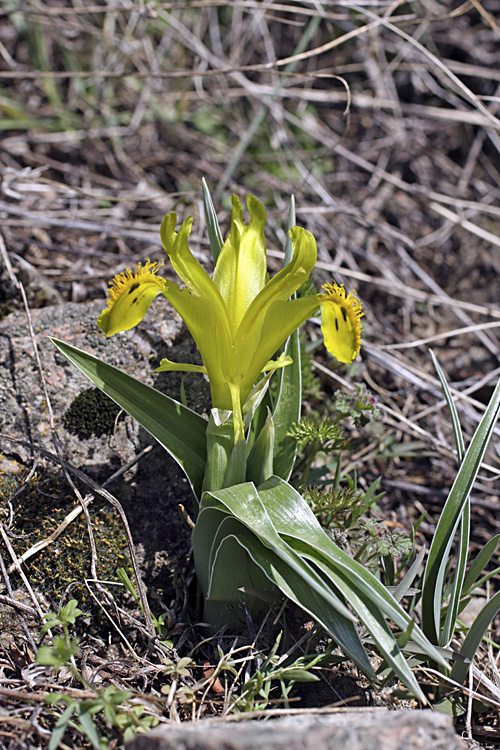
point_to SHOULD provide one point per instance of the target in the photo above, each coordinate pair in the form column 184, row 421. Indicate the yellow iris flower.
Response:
column 239, row 318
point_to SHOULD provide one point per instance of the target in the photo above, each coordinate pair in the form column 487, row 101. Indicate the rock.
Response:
column 151, row 490
column 355, row 730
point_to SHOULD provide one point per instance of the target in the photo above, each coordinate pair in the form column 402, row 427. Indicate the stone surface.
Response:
column 352, row 730
column 151, row 491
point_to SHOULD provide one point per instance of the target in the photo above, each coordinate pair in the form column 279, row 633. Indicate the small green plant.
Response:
column 111, row 703
column 256, row 538
column 274, row 679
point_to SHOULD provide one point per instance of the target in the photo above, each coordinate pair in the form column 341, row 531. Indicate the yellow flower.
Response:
column 238, row 318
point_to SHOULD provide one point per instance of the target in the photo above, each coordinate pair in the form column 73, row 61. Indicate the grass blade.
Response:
column 474, row 637
column 437, row 561
column 457, row 581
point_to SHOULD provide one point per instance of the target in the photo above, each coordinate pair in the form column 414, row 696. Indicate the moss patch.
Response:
column 33, row 511
column 91, row 413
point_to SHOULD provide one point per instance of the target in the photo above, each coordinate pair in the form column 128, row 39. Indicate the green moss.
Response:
column 91, row 413
column 34, row 511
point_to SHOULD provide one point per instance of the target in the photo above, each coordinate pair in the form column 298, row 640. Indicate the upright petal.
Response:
column 130, row 295
column 241, row 269
column 192, row 273
column 259, row 328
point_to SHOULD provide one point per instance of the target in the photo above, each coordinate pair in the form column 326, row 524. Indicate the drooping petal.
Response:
column 241, row 269
column 341, row 322
column 282, row 318
column 210, row 336
column 130, row 295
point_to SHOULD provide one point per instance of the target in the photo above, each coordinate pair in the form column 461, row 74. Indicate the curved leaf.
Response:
column 178, row 429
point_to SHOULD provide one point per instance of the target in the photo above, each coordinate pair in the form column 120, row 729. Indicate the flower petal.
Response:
column 166, row 365
column 241, row 269
column 341, row 322
column 285, row 283
column 192, row 273
column 272, row 316
column 130, row 295
column 282, row 318
column 211, row 338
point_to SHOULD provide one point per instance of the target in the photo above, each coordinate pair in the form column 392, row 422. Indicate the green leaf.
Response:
column 289, row 399
column 372, row 617
column 480, row 562
column 438, row 560
column 70, row 612
column 299, row 675
column 90, row 729
column 214, row 233
column 403, row 588
column 178, row 429
column 287, row 410
column 260, row 460
column 220, row 444
column 292, row 517
column 61, row 726
column 457, row 579
column 474, row 637
column 59, row 653
column 232, row 572
column 293, row 576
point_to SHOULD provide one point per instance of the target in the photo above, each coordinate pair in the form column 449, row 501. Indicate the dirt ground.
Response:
column 381, row 119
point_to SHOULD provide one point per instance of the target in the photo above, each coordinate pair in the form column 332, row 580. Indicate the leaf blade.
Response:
column 178, row 429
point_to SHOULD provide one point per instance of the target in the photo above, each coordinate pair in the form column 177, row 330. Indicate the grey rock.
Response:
column 352, row 730
column 151, row 490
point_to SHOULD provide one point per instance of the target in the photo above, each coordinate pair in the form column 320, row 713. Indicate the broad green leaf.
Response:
column 178, row 429
column 438, row 560
column 243, row 502
column 292, row 518
column 349, row 580
column 296, row 586
column 207, row 523
column 235, row 578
